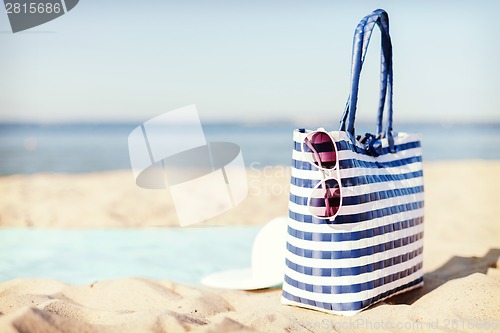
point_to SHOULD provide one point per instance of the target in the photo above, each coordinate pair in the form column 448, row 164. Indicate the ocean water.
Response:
column 76, row 148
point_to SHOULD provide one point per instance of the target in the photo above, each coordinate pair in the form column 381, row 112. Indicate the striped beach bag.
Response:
column 355, row 227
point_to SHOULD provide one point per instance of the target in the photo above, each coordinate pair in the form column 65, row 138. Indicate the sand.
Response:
column 461, row 261
column 111, row 199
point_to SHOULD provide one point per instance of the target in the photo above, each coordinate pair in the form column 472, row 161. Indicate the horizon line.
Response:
column 269, row 122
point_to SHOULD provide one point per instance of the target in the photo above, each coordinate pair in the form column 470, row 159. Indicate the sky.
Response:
column 123, row 61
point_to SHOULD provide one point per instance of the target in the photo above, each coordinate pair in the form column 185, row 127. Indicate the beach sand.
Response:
column 461, row 261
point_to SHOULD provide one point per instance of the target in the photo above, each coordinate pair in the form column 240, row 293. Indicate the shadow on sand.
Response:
column 456, row 267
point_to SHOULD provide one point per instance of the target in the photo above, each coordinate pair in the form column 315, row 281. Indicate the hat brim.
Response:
column 241, row 279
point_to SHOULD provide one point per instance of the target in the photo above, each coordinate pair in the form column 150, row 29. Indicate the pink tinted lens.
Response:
column 324, row 153
column 325, row 199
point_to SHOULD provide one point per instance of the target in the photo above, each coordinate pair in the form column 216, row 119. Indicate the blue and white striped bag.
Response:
column 356, row 210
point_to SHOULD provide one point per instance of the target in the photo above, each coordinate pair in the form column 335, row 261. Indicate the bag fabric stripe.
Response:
column 360, row 180
column 346, row 145
column 348, row 308
column 380, row 285
column 352, row 274
column 362, row 198
column 330, row 250
column 330, row 287
column 328, row 236
column 354, row 218
column 352, row 262
column 388, row 174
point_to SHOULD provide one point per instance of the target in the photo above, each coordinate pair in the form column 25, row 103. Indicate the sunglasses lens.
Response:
column 325, row 199
column 320, row 150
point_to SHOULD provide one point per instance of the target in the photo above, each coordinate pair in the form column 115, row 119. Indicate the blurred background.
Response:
column 71, row 90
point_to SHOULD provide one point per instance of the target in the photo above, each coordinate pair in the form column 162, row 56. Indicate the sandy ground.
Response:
column 461, row 261
column 111, row 199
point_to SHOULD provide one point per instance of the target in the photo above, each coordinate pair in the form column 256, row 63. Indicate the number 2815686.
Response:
column 33, row 8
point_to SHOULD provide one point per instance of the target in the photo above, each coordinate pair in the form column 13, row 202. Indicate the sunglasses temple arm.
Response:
column 317, row 157
column 328, row 210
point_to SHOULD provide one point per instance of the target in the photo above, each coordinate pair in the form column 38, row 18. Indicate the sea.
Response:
column 183, row 255
column 81, row 148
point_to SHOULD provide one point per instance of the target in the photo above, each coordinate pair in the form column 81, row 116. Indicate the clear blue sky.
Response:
column 248, row 60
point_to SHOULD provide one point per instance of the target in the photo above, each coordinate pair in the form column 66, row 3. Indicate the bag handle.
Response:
column 363, row 32
column 361, row 41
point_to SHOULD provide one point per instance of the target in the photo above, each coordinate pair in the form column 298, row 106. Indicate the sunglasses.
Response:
column 319, row 150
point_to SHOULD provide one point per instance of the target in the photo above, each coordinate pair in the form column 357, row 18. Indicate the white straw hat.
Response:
column 268, row 261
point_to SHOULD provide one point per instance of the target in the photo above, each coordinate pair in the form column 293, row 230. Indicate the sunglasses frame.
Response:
column 327, row 174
